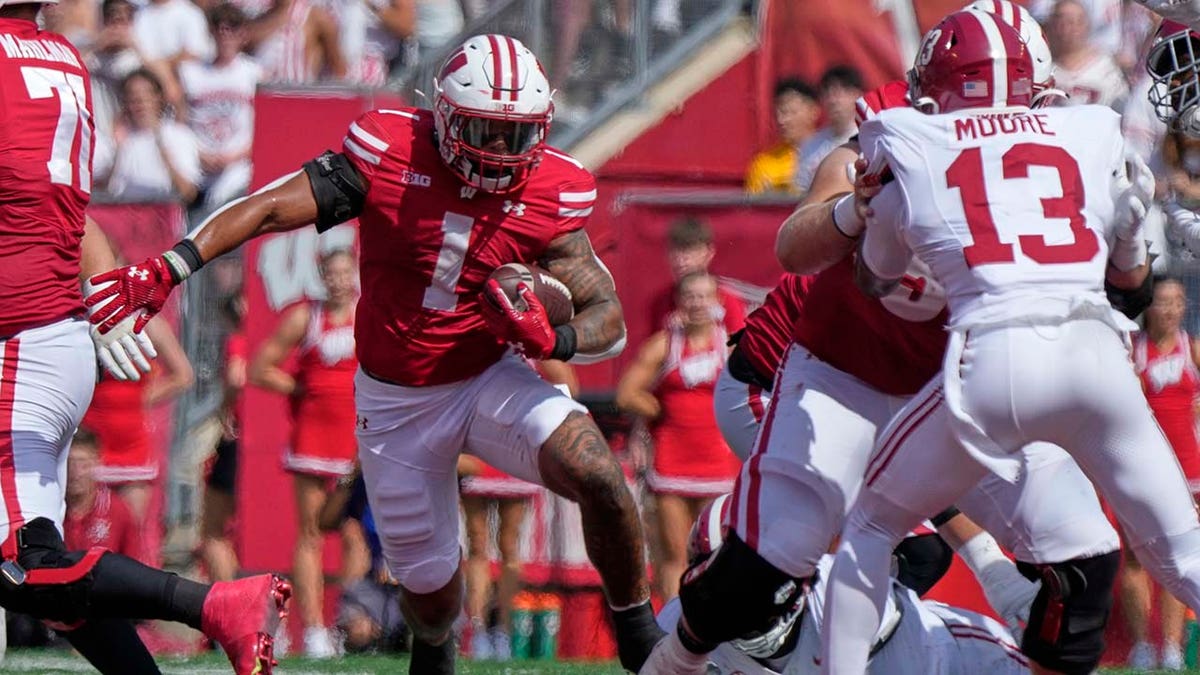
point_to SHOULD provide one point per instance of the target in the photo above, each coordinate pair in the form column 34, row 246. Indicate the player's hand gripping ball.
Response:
column 522, row 304
column 552, row 293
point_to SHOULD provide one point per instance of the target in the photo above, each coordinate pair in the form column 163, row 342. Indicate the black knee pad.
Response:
column 1066, row 623
column 46, row 581
column 922, row 561
column 735, row 594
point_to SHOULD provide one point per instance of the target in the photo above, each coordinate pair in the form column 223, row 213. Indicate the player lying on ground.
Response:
column 916, row 637
column 443, row 197
column 1036, row 351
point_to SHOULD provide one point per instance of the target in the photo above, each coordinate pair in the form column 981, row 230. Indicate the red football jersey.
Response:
column 894, row 94
column 876, row 341
column 45, row 177
column 769, row 328
column 429, row 242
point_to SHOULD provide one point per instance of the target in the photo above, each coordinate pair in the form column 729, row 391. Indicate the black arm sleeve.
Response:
column 1131, row 302
column 338, row 188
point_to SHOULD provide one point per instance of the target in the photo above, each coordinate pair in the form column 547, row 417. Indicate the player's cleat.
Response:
column 1172, row 657
column 430, row 659
column 242, row 617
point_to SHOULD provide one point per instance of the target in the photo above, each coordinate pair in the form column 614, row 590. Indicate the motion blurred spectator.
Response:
column 172, row 31
column 296, row 42
column 438, row 22
column 372, row 33
column 483, row 487
column 840, row 87
column 220, row 100
column 78, row 20
column 323, row 447
column 369, row 609
column 671, row 384
column 1105, row 21
column 796, row 113
column 156, row 158
column 1085, row 71
column 112, row 56
column 94, row 517
column 1166, row 358
column 690, row 249
column 220, row 485
column 118, row 415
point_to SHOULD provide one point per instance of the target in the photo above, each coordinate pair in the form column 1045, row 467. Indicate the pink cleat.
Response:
column 242, row 616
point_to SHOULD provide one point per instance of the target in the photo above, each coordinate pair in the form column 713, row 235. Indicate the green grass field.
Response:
column 62, row 663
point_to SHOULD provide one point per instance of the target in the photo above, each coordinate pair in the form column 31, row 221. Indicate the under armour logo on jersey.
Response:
column 467, row 192
column 139, row 274
column 361, row 422
column 517, row 209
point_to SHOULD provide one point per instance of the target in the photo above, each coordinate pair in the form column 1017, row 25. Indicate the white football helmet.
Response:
column 492, row 109
column 1035, row 41
column 1174, row 67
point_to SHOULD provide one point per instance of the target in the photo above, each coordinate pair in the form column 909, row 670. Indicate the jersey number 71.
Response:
column 73, row 118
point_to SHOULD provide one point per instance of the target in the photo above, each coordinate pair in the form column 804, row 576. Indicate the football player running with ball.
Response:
column 443, row 197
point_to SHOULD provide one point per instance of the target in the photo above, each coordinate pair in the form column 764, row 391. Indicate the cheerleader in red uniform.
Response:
column 117, row 416
column 1165, row 358
column 322, row 446
column 671, row 384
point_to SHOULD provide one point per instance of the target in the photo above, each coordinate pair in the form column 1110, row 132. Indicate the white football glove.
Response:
column 1006, row 589
column 1133, row 194
column 125, row 354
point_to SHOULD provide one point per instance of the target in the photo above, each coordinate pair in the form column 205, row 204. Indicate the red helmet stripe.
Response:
column 497, row 67
column 515, row 81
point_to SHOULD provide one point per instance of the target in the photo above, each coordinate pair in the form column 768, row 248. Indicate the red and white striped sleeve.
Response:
column 370, row 137
column 891, row 95
column 576, row 199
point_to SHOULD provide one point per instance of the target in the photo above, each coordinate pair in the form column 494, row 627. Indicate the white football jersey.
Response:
column 922, row 638
column 1012, row 210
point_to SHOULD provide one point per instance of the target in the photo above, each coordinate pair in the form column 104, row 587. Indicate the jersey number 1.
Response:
column 442, row 291
column 966, row 174
column 73, row 116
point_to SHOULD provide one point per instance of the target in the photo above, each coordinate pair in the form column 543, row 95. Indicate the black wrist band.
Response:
column 944, row 517
column 565, row 341
column 185, row 261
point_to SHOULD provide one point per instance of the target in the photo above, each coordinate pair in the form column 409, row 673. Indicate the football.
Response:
column 553, row 294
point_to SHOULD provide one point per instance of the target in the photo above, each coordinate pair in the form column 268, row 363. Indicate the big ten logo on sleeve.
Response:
column 287, row 263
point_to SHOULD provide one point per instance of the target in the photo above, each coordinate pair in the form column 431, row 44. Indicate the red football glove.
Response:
column 527, row 330
column 134, row 290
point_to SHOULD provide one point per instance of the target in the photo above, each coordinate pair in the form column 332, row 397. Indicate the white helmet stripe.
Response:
column 999, row 54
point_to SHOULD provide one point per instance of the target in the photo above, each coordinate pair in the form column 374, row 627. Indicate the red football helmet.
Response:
column 1174, row 66
column 972, row 59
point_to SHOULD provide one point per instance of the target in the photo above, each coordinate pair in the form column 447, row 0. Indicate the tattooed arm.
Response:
column 599, row 322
